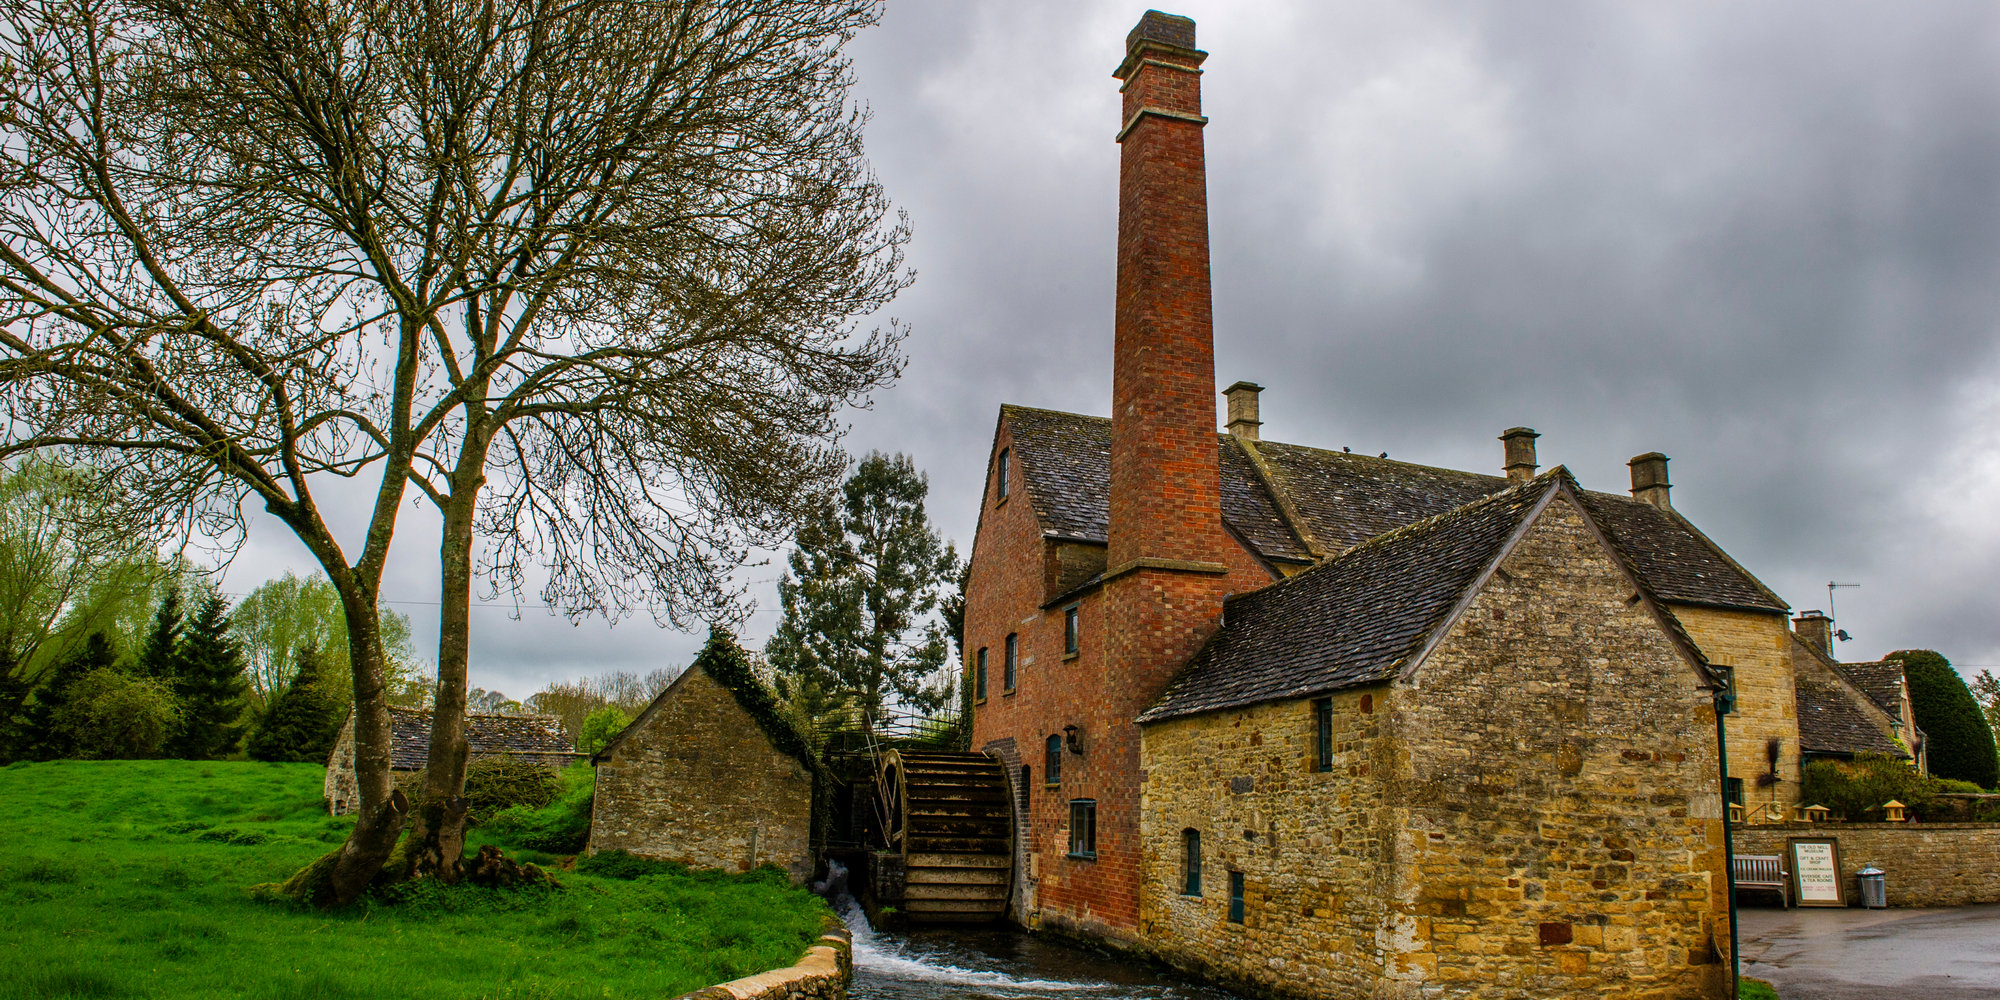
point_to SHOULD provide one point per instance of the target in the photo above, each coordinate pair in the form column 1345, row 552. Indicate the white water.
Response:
column 986, row 964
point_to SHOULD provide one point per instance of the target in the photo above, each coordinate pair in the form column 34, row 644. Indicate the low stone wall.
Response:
column 1928, row 864
column 822, row 975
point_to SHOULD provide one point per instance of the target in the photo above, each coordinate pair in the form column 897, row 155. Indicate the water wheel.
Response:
column 950, row 817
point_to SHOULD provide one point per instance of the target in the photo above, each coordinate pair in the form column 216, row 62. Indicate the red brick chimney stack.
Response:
column 1165, row 485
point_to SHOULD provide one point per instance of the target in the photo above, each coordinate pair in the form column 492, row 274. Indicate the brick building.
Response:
column 1320, row 722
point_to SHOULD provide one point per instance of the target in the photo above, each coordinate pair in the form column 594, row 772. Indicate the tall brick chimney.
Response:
column 1165, row 486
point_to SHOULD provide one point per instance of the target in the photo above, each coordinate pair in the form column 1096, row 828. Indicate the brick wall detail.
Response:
column 698, row 782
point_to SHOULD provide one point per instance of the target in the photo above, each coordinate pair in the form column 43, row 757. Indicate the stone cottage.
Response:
column 1318, row 721
column 709, row 775
column 539, row 739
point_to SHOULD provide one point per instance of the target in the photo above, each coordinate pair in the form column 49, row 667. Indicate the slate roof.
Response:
column 1831, row 722
column 1880, row 680
column 1355, row 618
column 1344, row 499
column 537, row 736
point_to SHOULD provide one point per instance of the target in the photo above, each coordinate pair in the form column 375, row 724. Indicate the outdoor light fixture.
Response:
column 1073, row 738
column 1892, row 811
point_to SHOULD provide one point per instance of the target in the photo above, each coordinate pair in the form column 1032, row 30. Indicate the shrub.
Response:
column 112, row 715
column 600, row 728
column 1855, row 790
column 624, row 865
column 496, row 783
column 560, row 827
column 1960, row 743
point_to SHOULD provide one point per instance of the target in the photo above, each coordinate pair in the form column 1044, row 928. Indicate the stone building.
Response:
column 709, row 776
column 1326, row 723
column 539, row 739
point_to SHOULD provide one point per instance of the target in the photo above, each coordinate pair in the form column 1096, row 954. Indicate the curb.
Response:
column 822, row 974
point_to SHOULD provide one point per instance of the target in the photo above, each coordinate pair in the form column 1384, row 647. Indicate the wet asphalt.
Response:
column 1905, row 954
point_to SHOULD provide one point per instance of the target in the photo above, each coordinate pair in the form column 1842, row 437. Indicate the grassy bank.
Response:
column 129, row 879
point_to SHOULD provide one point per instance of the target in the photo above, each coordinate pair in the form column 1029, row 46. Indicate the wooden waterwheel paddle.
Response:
column 951, row 818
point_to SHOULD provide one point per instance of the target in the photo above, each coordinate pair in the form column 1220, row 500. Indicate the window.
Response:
column 1052, row 761
column 1027, row 774
column 1010, row 671
column 1083, row 828
column 1191, row 862
column 1235, row 897
column 1323, row 726
column 1001, row 484
column 1736, row 791
column 979, row 676
column 1069, row 631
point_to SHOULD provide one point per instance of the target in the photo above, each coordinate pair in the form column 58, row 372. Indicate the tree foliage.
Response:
column 302, row 722
column 576, row 701
column 113, row 715
column 1958, row 741
column 582, row 275
column 283, row 615
column 1986, row 690
column 600, row 727
column 861, row 597
column 49, row 733
column 209, row 683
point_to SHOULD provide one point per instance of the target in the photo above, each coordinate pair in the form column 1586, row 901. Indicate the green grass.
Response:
column 1754, row 989
column 129, row 879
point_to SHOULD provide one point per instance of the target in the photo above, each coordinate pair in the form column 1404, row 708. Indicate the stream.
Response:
column 990, row 964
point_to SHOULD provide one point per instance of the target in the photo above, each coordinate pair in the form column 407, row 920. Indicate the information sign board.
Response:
column 1816, row 878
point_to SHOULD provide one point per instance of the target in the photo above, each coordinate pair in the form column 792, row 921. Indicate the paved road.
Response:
column 1831, row 954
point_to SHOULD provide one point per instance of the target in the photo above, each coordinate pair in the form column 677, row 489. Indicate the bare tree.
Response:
column 582, row 274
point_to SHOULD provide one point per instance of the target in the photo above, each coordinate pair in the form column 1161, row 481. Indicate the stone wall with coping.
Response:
column 823, row 974
column 1927, row 864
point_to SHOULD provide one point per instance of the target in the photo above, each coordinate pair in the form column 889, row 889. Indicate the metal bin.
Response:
column 1874, row 890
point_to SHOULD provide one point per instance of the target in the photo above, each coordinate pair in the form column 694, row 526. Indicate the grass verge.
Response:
column 129, row 879
column 1754, row 989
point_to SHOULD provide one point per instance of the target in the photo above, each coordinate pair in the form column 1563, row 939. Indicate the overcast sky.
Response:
column 1761, row 238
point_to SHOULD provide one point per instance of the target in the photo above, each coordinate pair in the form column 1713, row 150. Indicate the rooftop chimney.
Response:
column 1243, row 420
column 1815, row 630
column 1520, row 445
column 1649, row 479
column 1165, row 484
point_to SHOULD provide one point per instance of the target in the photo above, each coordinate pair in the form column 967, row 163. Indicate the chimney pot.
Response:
column 1520, row 453
column 1649, row 480
column 1815, row 630
column 1243, row 420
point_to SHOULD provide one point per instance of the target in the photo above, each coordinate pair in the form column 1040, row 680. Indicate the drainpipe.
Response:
column 1725, row 703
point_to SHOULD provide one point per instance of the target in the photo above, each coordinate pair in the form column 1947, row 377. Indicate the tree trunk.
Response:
column 343, row 876
column 437, row 834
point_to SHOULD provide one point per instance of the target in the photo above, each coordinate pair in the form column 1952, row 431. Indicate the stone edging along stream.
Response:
column 822, row 974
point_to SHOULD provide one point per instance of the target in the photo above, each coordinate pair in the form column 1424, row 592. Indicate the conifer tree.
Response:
column 862, row 595
column 160, row 650
column 303, row 720
column 209, row 682
column 46, row 739
column 1959, row 743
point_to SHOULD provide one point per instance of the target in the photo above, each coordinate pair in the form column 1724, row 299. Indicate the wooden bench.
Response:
column 1762, row 871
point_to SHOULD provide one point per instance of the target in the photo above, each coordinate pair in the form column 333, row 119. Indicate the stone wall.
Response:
column 1533, row 812
column 695, row 779
column 823, row 974
column 1757, row 648
column 1927, row 864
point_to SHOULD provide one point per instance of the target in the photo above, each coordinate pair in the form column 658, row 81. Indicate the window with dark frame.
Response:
column 1002, row 483
column 1736, row 791
column 1235, row 897
column 1069, row 629
column 1323, row 727
column 1083, row 828
column 1191, row 862
column 1052, row 761
column 1010, row 671
column 979, row 675
column 1027, row 774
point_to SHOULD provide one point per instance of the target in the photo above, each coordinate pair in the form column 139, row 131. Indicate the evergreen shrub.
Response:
column 1959, row 742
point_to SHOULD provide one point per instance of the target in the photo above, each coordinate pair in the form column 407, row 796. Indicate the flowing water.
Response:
column 986, row 964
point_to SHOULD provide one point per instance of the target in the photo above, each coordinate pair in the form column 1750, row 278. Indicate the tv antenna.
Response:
column 1838, row 633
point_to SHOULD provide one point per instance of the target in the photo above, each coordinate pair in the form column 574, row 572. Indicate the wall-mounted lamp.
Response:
column 1073, row 738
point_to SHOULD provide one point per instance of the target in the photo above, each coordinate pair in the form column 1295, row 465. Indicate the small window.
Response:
column 1011, row 669
column 1069, row 630
column 1052, row 761
column 1027, row 775
column 979, row 676
column 1736, row 791
column 1083, row 828
column 1190, row 862
column 1235, row 897
column 1323, row 727
column 1002, row 482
